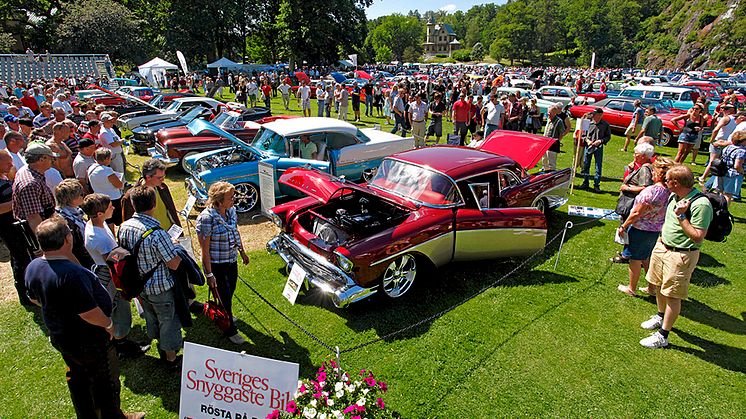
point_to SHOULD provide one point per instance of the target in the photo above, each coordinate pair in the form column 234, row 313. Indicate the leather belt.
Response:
column 421, row 120
column 678, row 249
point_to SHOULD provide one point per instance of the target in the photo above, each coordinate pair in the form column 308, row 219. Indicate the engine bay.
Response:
column 227, row 157
column 351, row 216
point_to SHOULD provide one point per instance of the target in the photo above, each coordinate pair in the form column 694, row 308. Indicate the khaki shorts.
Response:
column 632, row 129
column 672, row 271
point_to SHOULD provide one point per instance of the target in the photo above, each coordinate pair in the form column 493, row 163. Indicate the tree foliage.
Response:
column 6, row 42
column 397, row 33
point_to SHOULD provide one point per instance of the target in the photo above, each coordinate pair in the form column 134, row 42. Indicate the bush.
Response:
column 462, row 55
column 441, row 55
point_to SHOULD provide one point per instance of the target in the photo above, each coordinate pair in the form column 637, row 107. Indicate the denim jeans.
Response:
column 399, row 123
column 489, row 128
column 322, row 106
column 461, row 128
column 597, row 153
column 161, row 320
column 369, row 105
column 121, row 313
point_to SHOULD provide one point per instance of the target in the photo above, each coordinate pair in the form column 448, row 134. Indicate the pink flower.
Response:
column 302, row 388
column 379, row 403
column 370, row 381
column 355, row 417
column 362, row 372
column 322, row 376
column 321, row 368
column 274, row 415
column 292, row 407
column 317, row 395
column 350, row 409
column 333, row 363
column 383, row 386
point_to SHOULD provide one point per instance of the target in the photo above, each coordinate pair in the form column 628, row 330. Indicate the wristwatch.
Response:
column 681, row 216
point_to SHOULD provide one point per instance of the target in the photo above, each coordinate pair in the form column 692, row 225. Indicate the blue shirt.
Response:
column 223, row 234
column 156, row 249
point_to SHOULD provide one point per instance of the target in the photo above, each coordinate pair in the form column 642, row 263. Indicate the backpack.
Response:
column 722, row 221
column 124, row 271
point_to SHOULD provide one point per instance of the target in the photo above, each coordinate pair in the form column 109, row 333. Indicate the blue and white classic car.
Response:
column 341, row 149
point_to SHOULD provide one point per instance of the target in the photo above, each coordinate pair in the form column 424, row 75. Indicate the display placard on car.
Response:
column 294, row 284
column 266, row 187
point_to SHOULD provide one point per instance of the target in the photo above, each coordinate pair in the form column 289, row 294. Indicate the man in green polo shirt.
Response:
column 677, row 252
column 652, row 126
column 308, row 149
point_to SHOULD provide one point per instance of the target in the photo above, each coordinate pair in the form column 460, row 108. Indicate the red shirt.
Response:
column 91, row 137
column 461, row 111
column 30, row 103
column 267, row 90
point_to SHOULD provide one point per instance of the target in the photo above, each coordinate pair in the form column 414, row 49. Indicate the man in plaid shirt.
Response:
column 32, row 201
column 158, row 254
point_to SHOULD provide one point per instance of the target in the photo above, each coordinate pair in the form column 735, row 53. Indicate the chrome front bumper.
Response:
column 320, row 272
column 195, row 190
column 159, row 154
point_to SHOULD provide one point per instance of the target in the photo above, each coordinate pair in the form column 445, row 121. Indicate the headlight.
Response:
column 275, row 219
column 344, row 263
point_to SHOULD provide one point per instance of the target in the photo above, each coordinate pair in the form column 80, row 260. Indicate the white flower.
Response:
column 313, row 403
column 329, row 402
column 358, row 383
column 322, row 416
column 309, row 412
column 338, row 414
column 350, row 388
column 361, row 402
column 366, row 390
column 339, row 394
column 338, row 386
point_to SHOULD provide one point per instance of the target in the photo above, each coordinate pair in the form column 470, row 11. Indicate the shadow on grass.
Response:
column 724, row 356
column 702, row 313
column 708, row 261
column 706, row 279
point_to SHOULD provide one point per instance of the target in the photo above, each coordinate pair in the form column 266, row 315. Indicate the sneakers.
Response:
column 237, row 339
column 654, row 322
column 130, row 349
column 174, row 365
column 654, row 341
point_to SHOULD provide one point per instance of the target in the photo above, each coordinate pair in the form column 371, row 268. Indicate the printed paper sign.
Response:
column 216, row 383
column 590, row 212
column 189, row 205
column 175, row 231
column 266, row 187
column 294, row 284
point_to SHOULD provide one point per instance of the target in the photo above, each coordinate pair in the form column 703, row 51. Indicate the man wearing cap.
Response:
column 722, row 132
column 12, row 122
column 304, row 94
column 109, row 139
column 84, row 160
column 93, row 129
column 29, row 101
column 598, row 135
column 32, row 199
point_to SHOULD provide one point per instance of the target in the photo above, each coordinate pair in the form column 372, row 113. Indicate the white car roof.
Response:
column 196, row 99
column 297, row 126
column 659, row 88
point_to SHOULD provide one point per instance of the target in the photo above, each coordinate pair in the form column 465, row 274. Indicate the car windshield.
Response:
column 271, row 142
column 189, row 115
column 415, row 183
column 173, row 106
column 227, row 120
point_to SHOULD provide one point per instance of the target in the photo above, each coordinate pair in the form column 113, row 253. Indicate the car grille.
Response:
column 162, row 150
column 312, row 267
column 141, row 136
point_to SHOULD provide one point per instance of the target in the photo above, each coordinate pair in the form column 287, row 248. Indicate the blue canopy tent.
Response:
column 338, row 77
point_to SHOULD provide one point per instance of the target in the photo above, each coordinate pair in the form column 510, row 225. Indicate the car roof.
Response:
column 195, row 99
column 297, row 126
column 676, row 89
column 456, row 162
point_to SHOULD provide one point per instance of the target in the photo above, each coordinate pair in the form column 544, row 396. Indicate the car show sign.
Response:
column 216, row 383
column 294, row 284
column 266, row 187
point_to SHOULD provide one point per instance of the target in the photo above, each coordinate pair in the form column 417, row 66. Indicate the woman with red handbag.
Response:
column 220, row 243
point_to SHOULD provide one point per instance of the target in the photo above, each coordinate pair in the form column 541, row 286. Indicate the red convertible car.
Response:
column 618, row 113
column 424, row 207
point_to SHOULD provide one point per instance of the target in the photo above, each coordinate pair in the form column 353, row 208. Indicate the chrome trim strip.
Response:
column 565, row 184
column 438, row 259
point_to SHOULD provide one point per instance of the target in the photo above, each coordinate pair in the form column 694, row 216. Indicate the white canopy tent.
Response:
column 154, row 71
column 223, row 63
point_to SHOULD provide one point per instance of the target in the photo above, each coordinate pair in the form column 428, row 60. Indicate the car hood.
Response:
column 324, row 186
column 526, row 149
column 200, row 125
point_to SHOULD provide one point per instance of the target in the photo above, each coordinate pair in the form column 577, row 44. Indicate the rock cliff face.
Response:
column 696, row 34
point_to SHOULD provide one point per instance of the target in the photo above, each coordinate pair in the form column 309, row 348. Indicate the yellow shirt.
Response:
column 161, row 212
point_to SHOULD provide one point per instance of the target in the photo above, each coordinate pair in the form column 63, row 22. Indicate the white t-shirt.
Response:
column 18, row 160
column 108, row 136
column 284, row 88
column 81, row 165
column 494, row 113
column 305, row 92
column 98, row 178
column 53, row 178
column 98, row 242
column 582, row 125
column 739, row 127
column 320, row 94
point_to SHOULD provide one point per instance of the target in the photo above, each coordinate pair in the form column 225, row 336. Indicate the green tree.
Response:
column 82, row 30
column 6, row 42
column 412, row 54
column 477, row 52
column 384, row 54
column 398, row 33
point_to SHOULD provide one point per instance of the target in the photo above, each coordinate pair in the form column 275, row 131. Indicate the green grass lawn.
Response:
column 543, row 342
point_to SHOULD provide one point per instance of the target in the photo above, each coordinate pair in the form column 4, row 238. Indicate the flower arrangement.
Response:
column 334, row 395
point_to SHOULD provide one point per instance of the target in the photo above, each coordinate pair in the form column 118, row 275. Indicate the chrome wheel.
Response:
column 399, row 276
column 541, row 205
column 665, row 139
column 184, row 165
column 246, row 197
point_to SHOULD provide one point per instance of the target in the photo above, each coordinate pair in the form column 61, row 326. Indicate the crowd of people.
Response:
column 63, row 191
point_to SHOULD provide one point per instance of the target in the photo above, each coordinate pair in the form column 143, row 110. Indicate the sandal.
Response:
column 619, row 259
column 646, row 291
column 625, row 289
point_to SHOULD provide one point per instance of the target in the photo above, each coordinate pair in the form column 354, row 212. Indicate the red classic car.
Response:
column 618, row 113
column 428, row 206
column 173, row 145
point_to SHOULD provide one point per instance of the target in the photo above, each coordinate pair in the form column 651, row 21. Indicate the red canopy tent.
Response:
column 362, row 75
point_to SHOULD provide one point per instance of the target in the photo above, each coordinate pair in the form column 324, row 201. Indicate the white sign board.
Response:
column 189, row 205
column 266, row 187
column 294, row 284
column 590, row 212
column 216, row 383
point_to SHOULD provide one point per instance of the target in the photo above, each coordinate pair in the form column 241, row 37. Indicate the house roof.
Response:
column 449, row 29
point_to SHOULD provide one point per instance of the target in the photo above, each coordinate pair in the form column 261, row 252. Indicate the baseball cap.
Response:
column 598, row 111
column 85, row 142
column 40, row 149
column 729, row 106
column 10, row 118
column 106, row 117
column 74, row 103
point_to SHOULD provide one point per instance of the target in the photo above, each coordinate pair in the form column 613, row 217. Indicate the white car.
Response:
column 177, row 106
column 563, row 94
column 542, row 103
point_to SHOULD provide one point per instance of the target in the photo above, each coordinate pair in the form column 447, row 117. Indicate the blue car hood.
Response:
column 200, row 125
